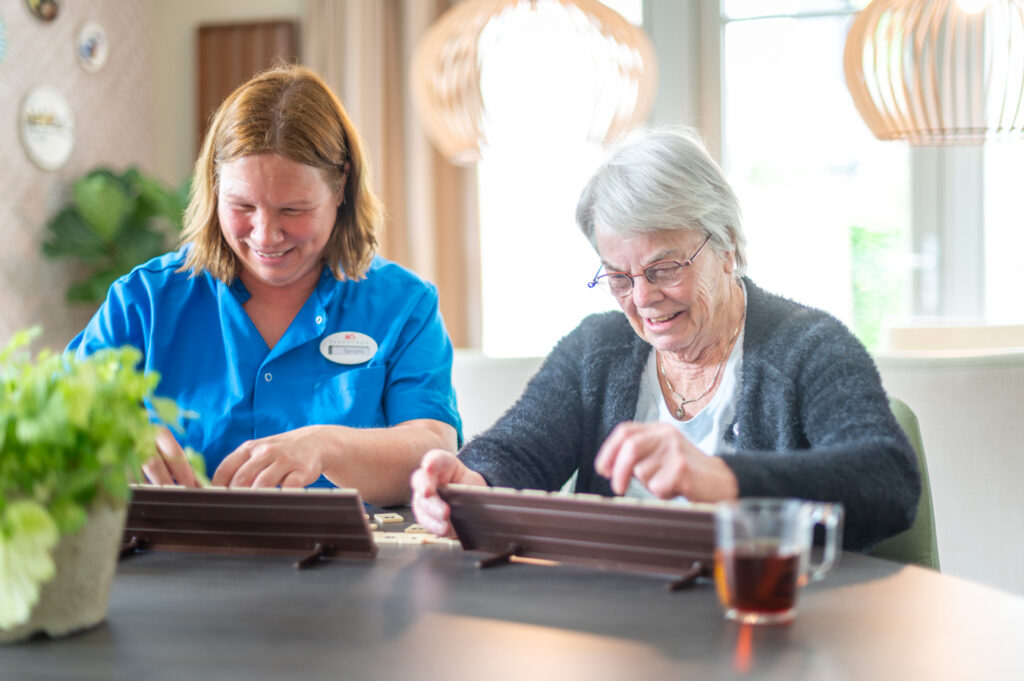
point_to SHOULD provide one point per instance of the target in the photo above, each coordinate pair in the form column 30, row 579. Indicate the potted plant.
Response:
column 114, row 222
column 73, row 433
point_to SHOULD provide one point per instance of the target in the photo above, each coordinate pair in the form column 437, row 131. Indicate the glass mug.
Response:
column 763, row 554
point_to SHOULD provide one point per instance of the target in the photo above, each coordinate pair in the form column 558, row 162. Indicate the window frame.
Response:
column 947, row 183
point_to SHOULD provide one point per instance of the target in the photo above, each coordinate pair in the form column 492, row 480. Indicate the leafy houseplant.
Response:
column 114, row 222
column 73, row 433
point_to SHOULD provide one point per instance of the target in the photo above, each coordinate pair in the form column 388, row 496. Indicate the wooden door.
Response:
column 230, row 54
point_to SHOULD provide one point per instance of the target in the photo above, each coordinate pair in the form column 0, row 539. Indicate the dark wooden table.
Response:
column 427, row 612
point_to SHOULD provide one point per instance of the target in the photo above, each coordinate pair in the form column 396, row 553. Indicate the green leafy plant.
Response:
column 114, row 222
column 73, row 433
column 878, row 283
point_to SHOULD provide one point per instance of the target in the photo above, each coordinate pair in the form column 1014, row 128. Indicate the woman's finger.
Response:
column 294, row 479
column 604, row 462
column 436, row 468
column 271, row 476
column 157, row 472
column 179, row 470
column 228, row 468
column 625, row 459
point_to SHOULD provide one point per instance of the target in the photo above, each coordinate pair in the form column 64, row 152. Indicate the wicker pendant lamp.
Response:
column 612, row 78
column 937, row 72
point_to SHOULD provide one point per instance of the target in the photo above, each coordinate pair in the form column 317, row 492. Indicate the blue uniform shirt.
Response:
column 212, row 360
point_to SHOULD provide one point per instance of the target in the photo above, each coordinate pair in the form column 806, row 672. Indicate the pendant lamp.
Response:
column 601, row 65
column 938, row 72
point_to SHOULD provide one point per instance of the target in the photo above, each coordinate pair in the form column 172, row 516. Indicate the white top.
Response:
column 708, row 427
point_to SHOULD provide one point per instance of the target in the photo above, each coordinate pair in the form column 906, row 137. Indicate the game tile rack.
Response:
column 307, row 523
column 615, row 533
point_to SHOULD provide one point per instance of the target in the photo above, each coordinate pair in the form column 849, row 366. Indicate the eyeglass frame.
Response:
column 685, row 264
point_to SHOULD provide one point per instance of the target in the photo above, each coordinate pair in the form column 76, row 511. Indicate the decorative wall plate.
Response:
column 91, row 46
column 46, row 10
column 47, row 127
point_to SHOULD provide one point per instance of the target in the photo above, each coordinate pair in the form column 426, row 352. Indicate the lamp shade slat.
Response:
column 456, row 87
column 933, row 72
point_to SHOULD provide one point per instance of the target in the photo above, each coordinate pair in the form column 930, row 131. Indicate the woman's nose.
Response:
column 644, row 292
column 264, row 228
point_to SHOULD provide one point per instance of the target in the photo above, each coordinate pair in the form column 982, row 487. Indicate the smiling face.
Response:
column 276, row 215
column 684, row 319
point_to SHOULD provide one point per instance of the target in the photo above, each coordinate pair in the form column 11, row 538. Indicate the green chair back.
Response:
column 918, row 544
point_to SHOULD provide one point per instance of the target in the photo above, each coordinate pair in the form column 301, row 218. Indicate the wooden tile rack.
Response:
column 607, row 532
column 308, row 523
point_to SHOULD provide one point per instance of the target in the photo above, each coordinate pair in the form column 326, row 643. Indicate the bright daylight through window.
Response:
column 535, row 262
column 1004, row 232
column 830, row 211
column 827, row 208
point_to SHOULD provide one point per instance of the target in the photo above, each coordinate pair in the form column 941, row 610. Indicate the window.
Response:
column 1004, row 232
column 865, row 229
column 535, row 263
column 868, row 230
column 826, row 205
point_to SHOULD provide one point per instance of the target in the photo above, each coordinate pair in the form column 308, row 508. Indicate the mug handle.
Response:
column 829, row 516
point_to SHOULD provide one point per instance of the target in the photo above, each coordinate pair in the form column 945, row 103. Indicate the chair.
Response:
column 918, row 544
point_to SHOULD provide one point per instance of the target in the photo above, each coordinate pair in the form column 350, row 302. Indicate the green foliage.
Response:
column 73, row 432
column 113, row 223
column 878, row 285
column 198, row 463
column 27, row 538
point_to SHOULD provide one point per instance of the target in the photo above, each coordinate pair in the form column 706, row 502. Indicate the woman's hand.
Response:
column 438, row 468
column 170, row 466
column 665, row 461
column 290, row 459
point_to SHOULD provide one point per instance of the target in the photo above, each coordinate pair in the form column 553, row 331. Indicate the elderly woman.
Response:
column 308, row 360
column 705, row 386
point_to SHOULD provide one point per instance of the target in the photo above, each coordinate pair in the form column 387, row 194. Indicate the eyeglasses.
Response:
column 663, row 274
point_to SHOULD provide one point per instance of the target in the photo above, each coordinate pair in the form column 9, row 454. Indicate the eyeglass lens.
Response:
column 662, row 275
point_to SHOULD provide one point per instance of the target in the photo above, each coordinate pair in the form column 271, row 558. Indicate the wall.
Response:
column 112, row 112
column 969, row 409
column 174, row 48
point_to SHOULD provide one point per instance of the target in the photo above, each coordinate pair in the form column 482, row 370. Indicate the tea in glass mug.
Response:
column 763, row 554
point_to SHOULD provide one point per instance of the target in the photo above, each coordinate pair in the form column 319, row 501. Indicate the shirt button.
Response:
column 319, row 319
column 268, row 377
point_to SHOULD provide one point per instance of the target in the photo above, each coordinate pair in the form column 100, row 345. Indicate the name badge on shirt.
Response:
column 348, row 347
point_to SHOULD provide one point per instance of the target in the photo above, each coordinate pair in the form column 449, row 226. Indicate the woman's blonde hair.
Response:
column 289, row 111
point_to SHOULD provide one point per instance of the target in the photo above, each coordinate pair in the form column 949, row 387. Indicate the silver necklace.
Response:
column 681, row 409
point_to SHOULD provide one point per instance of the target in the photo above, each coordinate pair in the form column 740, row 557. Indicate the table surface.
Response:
column 418, row 612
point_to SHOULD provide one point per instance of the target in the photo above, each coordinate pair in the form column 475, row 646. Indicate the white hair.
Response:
column 662, row 180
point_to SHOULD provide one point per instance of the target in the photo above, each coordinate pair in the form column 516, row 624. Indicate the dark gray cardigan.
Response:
column 812, row 421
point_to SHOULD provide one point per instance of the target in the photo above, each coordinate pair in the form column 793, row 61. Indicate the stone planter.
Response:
column 78, row 595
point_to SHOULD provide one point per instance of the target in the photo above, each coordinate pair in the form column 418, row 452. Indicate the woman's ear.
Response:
column 729, row 259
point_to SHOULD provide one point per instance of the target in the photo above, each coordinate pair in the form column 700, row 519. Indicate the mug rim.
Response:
column 768, row 502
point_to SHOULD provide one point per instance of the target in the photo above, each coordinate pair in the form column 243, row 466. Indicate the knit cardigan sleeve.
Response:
column 587, row 385
column 814, row 422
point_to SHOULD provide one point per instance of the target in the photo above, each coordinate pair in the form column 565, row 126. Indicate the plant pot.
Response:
column 78, row 595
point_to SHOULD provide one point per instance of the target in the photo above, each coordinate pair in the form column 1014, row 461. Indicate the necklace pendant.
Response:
column 681, row 411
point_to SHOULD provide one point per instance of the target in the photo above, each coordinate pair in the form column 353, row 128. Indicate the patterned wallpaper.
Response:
column 113, row 114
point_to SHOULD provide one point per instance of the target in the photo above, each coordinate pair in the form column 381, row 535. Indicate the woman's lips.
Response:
column 270, row 255
column 655, row 322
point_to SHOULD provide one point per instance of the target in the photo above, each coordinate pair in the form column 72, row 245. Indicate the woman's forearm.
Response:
column 379, row 461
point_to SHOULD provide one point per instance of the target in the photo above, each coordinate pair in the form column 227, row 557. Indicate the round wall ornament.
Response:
column 47, row 127
column 47, row 10
column 91, row 46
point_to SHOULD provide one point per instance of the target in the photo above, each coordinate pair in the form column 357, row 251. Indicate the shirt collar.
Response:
column 325, row 288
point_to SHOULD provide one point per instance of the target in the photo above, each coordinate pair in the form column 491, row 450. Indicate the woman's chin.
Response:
column 664, row 342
